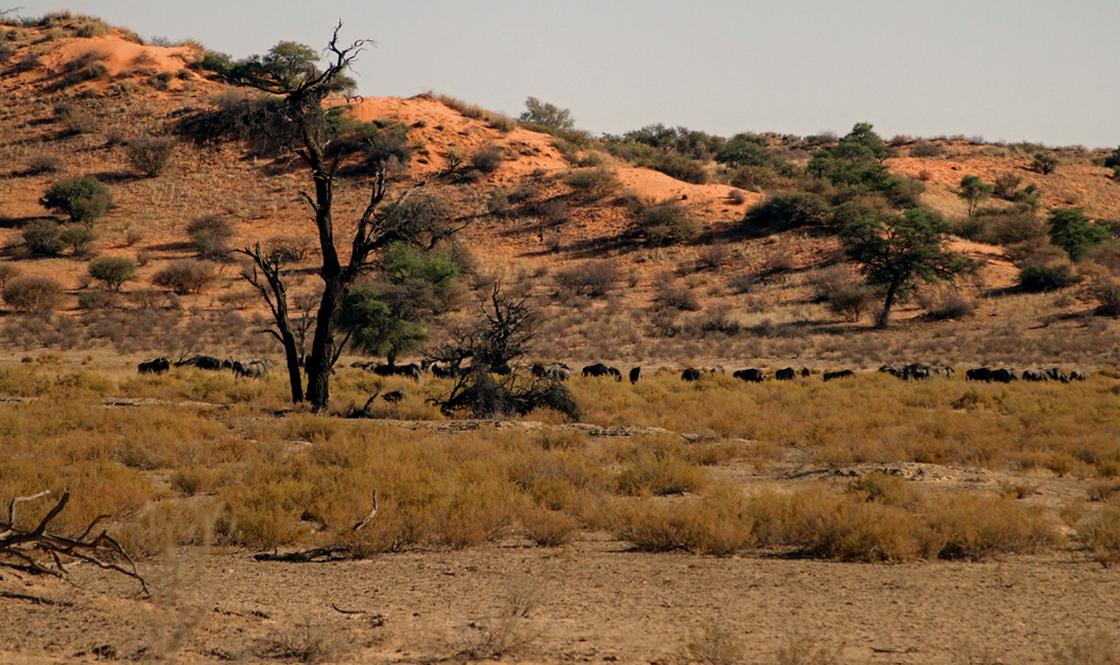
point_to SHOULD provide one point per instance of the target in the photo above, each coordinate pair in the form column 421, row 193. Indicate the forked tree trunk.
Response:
column 323, row 350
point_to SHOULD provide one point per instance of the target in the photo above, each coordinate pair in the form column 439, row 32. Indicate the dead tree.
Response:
column 39, row 551
column 297, row 123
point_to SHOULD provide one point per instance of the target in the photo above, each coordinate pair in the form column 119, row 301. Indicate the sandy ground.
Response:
column 597, row 603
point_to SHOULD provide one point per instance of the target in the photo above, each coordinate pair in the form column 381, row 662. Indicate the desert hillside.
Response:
column 553, row 213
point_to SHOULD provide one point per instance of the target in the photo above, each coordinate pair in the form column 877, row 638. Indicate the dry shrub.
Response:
column 1095, row 649
column 714, row 524
column 185, row 276
column 1100, row 533
column 548, row 528
column 677, row 297
column 163, row 525
column 593, row 279
column 303, row 643
column 974, row 527
column 488, row 158
column 32, row 294
column 946, row 302
column 7, row 273
column 714, row 645
column 801, row 650
column 1107, row 292
column 593, row 184
column 511, row 629
column 661, row 475
column 150, row 155
column 666, row 223
column 843, row 292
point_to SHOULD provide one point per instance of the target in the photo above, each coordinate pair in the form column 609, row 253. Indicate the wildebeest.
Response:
column 787, row 374
column 254, row 368
column 154, row 366
column 554, row 372
column 201, row 362
column 839, row 374
column 1056, row 374
column 806, row 372
column 979, row 374
column 635, row 374
column 600, row 370
column 1078, row 375
column 411, row 370
column 691, row 374
column 1002, row 376
column 393, row 397
column 441, row 372
column 751, row 375
column 1035, row 375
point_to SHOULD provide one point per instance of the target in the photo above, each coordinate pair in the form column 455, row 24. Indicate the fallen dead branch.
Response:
column 322, row 554
column 40, row 551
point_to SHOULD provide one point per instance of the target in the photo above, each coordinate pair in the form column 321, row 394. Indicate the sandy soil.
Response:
column 597, row 603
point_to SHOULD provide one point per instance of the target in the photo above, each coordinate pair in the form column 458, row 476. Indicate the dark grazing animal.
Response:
column 1003, row 376
column 254, row 368
column 154, row 366
column 1035, row 375
column 806, row 372
column 691, row 374
column 979, row 374
column 751, row 375
column 1078, row 375
column 615, row 373
column 787, row 374
column 441, row 372
column 411, row 370
column 635, row 374
column 839, row 374
column 201, row 362
column 1056, row 374
column 393, row 397
column 554, row 372
column 597, row 370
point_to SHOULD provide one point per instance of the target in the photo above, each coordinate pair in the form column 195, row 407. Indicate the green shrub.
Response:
column 185, row 276
column 666, row 223
column 210, row 235
column 681, row 168
column 1047, row 277
column 150, row 155
column 83, row 199
column 113, row 271
column 77, row 238
column 43, row 237
column 789, row 210
column 1074, row 232
column 32, row 294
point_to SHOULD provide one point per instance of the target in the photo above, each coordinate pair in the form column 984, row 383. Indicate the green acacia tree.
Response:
column 974, row 190
column 549, row 116
column 1072, row 230
column 898, row 251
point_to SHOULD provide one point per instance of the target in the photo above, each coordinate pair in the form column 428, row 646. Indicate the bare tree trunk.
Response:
column 885, row 316
column 321, row 361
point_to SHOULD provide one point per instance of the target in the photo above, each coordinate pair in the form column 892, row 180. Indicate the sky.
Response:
column 1034, row 70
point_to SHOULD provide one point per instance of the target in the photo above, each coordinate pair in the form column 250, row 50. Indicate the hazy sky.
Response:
column 1043, row 70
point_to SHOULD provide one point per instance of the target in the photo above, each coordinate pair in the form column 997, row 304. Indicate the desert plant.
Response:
column 947, row 303
column 666, row 223
column 974, row 190
column 788, row 210
column 210, row 235
column 593, row 184
column 32, row 294
column 1044, row 163
column 113, row 271
column 844, row 293
column 1047, row 276
column 1107, row 292
column 150, row 155
column 593, row 279
column 43, row 237
column 83, row 199
column 184, row 276
column 7, row 273
column 42, row 163
column 78, row 238
column 546, row 116
column 677, row 297
column 488, row 158
column 1072, row 230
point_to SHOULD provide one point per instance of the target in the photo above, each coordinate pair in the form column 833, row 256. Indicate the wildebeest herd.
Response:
column 253, row 368
column 259, row 368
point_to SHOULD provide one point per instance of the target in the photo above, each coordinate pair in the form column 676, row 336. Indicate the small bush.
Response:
column 678, row 297
column 680, row 167
column 150, row 155
column 716, row 524
column 498, row 204
column 1107, row 292
column 7, row 273
column 75, row 121
column 666, row 223
column 43, row 237
column 185, row 276
column 32, row 294
column 549, row 528
column 788, row 210
column 845, row 294
column 927, row 149
column 78, row 238
column 113, row 271
column 42, row 163
column 1044, row 163
column 83, row 199
column 947, row 303
column 90, row 300
column 488, row 158
column 593, row 184
column 210, row 235
column 1047, row 276
column 593, row 279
